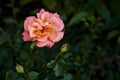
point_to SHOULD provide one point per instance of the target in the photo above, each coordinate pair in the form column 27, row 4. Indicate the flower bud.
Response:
column 64, row 47
column 19, row 68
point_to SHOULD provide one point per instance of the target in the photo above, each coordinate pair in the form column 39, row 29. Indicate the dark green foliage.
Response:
column 92, row 30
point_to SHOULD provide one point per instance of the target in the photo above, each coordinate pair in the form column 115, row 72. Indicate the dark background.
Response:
column 92, row 30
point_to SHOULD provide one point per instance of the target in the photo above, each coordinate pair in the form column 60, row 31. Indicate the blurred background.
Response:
column 92, row 30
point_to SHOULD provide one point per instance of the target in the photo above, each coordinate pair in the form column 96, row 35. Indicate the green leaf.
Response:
column 9, row 20
column 112, row 24
column 118, row 41
column 4, row 38
column 58, row 70
column 8, row 75
column 77, row 18
column 92, row 18
column 112, row 35
column 32, row 75
column 51, row 64
column 85, row 77
column 21, row 79
column 32, row 45
column 104, row 12
column 62, row 15
column 67, row 76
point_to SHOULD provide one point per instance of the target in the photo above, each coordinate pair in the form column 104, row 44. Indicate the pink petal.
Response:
column 40, row 23
column 61, row 25
column 26, row 23
column 50, row 44
column 26, row 36
column 37, row 25
column 60, row 21
column 55, row 14
column 45, row 43
column 41, row 44
column 54, row 21
column 43, row 38
column 57, row 23
column 45, row 16
column 58, row 37
column 32, row 20
column 30, row 27
column 32, row 34
column 53, row 35
column 40, row 13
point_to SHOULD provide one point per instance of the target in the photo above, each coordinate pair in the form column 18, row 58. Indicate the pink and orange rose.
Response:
column 46, row 29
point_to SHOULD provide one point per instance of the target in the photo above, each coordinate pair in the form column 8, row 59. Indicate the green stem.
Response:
column 44, row 68
column 58, row 56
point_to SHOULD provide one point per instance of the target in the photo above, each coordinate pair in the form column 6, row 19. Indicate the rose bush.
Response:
column 46, row 29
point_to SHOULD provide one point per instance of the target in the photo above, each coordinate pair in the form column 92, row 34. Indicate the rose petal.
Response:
column 53, row 35
column 45, row 43
column 43, row 38
column 45, row 16
column 42, row 44
column 56, row 15
column 32, row 20
column 40, row 13
column 60, row 21
column 58, row 37
column 26, row 23
column 37, row 25
column 54, row 21
column 26, row 36
column 61, row 25
column 32, row 34
column 50, row 44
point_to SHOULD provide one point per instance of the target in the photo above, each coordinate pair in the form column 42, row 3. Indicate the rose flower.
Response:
column 45, row 30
